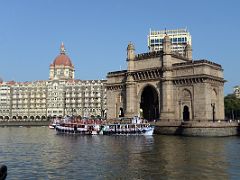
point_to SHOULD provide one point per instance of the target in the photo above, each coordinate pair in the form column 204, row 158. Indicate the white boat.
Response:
column 77, row 128
column 54, row 123
column 136, row 127
column 52, row 126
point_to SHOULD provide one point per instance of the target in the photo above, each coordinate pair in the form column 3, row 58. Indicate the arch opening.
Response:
column 121, row 112
column 186, row 114
column 149, row 106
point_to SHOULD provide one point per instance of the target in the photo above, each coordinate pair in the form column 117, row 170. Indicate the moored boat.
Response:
column 136, row 127
column 81, row 127
column 54, row 123
column 128, row 129
column 77, row 128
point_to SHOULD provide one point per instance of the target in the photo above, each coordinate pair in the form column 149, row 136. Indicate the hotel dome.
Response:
column 62, row 59
column 62, row 67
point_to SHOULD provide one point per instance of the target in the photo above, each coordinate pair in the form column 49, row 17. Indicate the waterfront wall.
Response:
column 190, row 128
column 24, row 123
column 198, row 128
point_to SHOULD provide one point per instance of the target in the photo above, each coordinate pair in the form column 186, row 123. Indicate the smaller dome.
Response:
column 130, row 46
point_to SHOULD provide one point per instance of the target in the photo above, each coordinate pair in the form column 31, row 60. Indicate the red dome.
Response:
column 62, row 59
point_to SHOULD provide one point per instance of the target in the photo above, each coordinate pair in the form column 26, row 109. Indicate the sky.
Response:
column 96, row 34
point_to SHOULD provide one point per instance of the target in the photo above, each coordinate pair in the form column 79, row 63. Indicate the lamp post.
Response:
column 213, row 111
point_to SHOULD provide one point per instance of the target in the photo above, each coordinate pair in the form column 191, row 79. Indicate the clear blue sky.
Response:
column 96, row 34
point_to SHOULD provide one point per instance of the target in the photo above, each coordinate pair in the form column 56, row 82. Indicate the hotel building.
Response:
column 59, row 96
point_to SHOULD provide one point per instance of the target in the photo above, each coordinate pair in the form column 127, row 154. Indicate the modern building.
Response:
column 178, row 37
column 59, row 96
column 167, row 86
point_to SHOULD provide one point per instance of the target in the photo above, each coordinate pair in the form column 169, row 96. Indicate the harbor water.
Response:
column 39, row 153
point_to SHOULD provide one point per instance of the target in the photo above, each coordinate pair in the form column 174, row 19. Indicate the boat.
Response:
column 136, row 127
column 51, row 126
column 81, row 127
column 78, row 128
column 54, row 123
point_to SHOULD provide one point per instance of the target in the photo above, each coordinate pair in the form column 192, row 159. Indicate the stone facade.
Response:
column 167, row 86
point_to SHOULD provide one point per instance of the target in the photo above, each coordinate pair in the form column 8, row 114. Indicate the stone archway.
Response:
column 186, row 114
column 186, row 105
column 149, row 104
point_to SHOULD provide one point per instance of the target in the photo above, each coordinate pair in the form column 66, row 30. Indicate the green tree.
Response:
column 232, row 107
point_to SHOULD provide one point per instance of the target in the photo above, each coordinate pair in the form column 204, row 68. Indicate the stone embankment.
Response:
column 196, row 128
column 24, row 123
column 187, row 128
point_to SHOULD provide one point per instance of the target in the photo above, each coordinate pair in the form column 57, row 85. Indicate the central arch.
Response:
column 149, row 104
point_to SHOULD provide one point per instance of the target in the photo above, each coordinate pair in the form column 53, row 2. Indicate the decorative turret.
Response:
column 166, row 45
column 188, row 51
column 167, row 60
column 130, row 51
column 130, row 56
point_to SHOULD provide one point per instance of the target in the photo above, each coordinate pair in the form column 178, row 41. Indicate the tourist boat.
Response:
column 78, row 128
column 81, row 127
column 136, row 127
column 54, row 123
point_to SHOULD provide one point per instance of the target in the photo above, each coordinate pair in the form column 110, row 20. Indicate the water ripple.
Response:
column 38, row 153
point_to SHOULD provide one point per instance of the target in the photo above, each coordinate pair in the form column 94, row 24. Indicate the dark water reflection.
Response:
column 38, row 153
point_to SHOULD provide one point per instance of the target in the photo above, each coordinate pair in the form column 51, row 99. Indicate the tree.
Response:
column 232, row 107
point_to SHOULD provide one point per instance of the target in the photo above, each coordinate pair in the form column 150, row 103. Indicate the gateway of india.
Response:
column 166, row 85
column 161, row 84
